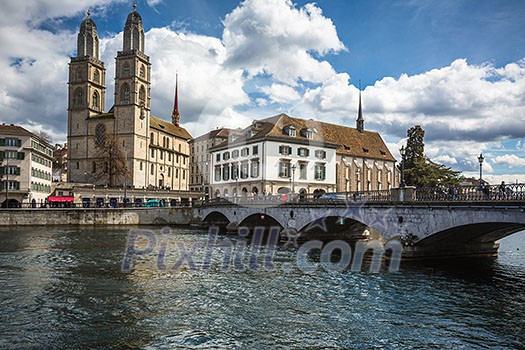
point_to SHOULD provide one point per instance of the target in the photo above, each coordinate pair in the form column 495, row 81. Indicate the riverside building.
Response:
column 26, row 162
column 283, row 154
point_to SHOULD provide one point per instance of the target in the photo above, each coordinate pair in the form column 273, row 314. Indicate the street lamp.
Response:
column 480, row 160
column 402, row 151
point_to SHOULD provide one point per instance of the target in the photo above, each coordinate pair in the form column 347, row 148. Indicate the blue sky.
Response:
column 455, row 67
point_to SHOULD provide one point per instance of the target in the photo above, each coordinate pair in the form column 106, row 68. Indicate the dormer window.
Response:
column 290, row 130
column 309, row 134
column 250, row 133
column 231, row 138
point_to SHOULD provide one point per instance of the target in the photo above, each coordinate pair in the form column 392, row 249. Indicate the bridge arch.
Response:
column 335, row 227
column 216, row 218
column 259, row 219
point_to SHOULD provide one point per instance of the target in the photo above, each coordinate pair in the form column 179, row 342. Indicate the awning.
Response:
column 61, row 199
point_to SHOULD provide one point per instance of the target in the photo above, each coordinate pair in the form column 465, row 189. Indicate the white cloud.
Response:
column 154, row 3
column 275, row 37
column 281, row 93
column 510, row 160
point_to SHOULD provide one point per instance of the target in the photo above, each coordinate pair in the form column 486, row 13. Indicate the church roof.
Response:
column 169, row 128
column 348, row 141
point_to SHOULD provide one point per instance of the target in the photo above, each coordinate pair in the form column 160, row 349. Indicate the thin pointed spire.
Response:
column 175, row 115
column 360, row 122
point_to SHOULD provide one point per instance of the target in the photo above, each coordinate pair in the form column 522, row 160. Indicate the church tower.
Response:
column 132, row 98
column 175, row 115
column 86, row 97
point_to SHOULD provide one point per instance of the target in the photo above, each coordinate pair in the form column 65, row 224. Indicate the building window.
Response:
column 152, row 169
column 254, row 170
column 303, row 152
column 284, row 168
column 290, row 131
column 78, row 99
column 244, row 170
column 10, row 142
column 217, row 173
column 96, row 76
column 95, row 100
column 142, row 95
column 235, row 154
column 309, row 134
column 320, row 154
column 78, row 74
column 78, row 165
column 303, row 170
column 142, row 72
column 151, row 138
column 320, row 172
column 285, row 150
column 124, row 93
column 226, row 172
column 218, row 157
column 226, row 156
column 126, row 72
column 100, row 134
column 141, row 166
column 235, row 171
column 153, row 153
column 245, row 151
column 255, row 150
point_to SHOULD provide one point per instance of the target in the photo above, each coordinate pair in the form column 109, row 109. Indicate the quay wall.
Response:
column 96, row 216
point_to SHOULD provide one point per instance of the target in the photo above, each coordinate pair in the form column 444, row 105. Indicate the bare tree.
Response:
column 44, row 135
column 111, row 165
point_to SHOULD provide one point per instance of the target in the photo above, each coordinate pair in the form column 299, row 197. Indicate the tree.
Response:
column 420, row 171
column 44, row 135
column 111, row 165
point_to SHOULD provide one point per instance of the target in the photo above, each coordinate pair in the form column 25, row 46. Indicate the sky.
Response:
column 455, row 67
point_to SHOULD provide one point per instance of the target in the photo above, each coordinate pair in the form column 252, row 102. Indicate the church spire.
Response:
column 87, row 39
column 360, row 122
column 175, row 115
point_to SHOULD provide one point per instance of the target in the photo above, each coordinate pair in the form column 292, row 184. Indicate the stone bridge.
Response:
column 432, row 229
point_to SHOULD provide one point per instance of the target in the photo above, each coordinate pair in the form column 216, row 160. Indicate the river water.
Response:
column 63, row 288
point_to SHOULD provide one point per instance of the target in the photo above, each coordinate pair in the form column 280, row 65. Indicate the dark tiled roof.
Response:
column 169, row 128
column 11, row 129
column 221, row 133
column 347, row 140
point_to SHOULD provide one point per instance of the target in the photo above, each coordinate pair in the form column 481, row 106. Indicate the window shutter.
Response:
column 307, row 152
column 281, row 149
column 17, row 185
column 324, row 173
column 17, row 172
column 2, row 155
column 289, row 150
column 2, row 142
column 20, row 155
column 18, row 143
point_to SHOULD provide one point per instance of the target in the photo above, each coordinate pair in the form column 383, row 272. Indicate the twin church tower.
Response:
column 156, row 151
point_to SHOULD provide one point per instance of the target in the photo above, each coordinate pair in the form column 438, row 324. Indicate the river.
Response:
column 64, row 288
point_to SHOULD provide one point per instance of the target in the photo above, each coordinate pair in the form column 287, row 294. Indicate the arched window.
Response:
column 136, row 39
column 100, row 134
column 94, row 170
column 151, row 138
column 142, row 94
column 152, row 169
column 95, row 100
column 124, row 93
column 78, row 99
column 126, row 72
column 96, row 76
column 78, row 74
column 142, row 72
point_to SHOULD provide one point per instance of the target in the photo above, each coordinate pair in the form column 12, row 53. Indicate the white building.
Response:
column 282, row 154
column 26, row 167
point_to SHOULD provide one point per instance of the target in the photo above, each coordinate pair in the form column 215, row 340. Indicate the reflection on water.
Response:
column 63, row 288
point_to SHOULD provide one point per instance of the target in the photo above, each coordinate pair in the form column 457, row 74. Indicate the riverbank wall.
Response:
column 96, row 216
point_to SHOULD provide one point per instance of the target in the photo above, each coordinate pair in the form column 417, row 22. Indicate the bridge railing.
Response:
column 488, row 193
